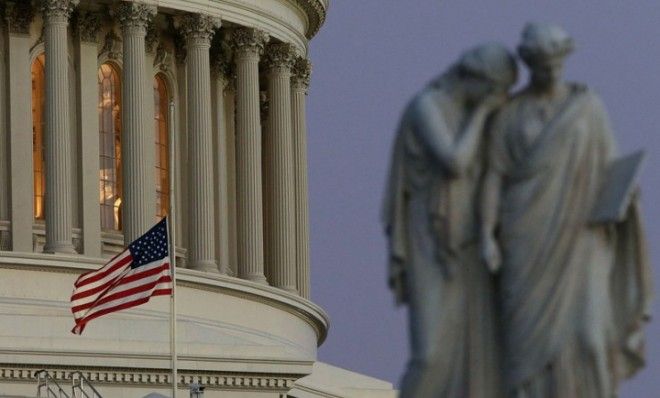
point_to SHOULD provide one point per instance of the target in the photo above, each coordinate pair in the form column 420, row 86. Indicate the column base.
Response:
column 225, row 270
column 205, row 266
column 291, row 290
column 256, row 278
column 59, row 248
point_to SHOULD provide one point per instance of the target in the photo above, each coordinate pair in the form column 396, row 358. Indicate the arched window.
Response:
column 110, row 147
column 38, row 113
column 161, row 102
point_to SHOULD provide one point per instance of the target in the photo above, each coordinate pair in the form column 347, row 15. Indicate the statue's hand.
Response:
column 490, row 254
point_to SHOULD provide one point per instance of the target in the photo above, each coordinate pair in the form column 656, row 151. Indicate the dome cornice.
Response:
column 316, row 11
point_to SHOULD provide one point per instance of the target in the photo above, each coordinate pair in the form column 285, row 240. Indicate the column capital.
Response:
column 221, row 67
column 86, row 25
column 58, row 9
column 134, row 15
column 248, row 40
column 18, row 15
column 152, row 38
column 302, row 73
column 197, row 27
column 280, row 56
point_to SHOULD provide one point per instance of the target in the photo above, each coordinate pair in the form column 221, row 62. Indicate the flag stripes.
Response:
column 130, row 280
column 108, row 271
column 124, row 282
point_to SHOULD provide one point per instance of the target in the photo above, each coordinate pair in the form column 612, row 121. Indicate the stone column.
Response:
column 18, row 17
column 299, row 84
column 222, row 79
column 150, row 45
column 138, row 173
column 86, row 25
column 279, row 60
column 180, row 155
column 5, row 182
column 266, row 182
column 230, row 128
column 198, row 30
column 56, row 15
column 248, row 46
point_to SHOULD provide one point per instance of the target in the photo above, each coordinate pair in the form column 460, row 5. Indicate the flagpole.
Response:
column 172, row 233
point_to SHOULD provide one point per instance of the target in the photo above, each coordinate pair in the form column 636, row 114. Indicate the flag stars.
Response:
column 151, row 246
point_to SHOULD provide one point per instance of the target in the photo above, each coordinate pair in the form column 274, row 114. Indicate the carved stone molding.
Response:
column 222, row 60
column 197, row 27
column 214, row 283
column 222, row 67
column 86, row 25
column 120, row 377
column 248, row 40
column 280, row 55
column 58, row 9
column 111, row 46
column 19, row 15
column 162, row 59
column 134, row 15
column 316, row 14
column 151, row 39
column 302, row 73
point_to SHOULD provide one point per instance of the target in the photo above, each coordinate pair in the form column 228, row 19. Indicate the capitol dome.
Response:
column 107, row 106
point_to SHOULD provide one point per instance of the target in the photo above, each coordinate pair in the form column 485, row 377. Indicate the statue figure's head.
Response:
column 543, row 48
column 488, row 69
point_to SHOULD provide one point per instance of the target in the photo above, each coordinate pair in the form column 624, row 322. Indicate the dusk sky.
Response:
column 369, row 58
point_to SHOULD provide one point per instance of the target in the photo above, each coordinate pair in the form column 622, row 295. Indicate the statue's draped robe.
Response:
column 431, row 221
column 574, row 294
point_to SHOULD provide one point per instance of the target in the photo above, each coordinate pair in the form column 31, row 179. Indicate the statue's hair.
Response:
column 543, row 41
column 491, row 61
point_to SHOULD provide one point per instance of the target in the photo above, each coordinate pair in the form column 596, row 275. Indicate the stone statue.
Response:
column 431, row 220
column 574, row 290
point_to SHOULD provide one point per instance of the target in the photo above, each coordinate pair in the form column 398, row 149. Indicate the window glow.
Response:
column 38, row 122
column 161, row 107
column 110, row 173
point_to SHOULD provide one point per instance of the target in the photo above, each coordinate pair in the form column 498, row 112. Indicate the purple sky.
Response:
column 369, row 59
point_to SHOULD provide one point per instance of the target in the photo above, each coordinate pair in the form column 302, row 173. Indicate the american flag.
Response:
column 131, row 278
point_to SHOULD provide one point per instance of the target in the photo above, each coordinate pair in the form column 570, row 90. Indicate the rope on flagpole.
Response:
column 172, row 233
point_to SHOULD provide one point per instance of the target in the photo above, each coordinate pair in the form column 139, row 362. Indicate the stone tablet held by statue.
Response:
column 618, row 188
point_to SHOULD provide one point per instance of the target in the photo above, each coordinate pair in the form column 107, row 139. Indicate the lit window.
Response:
column 162, row 149
column 110, row 147
column 38, row 113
